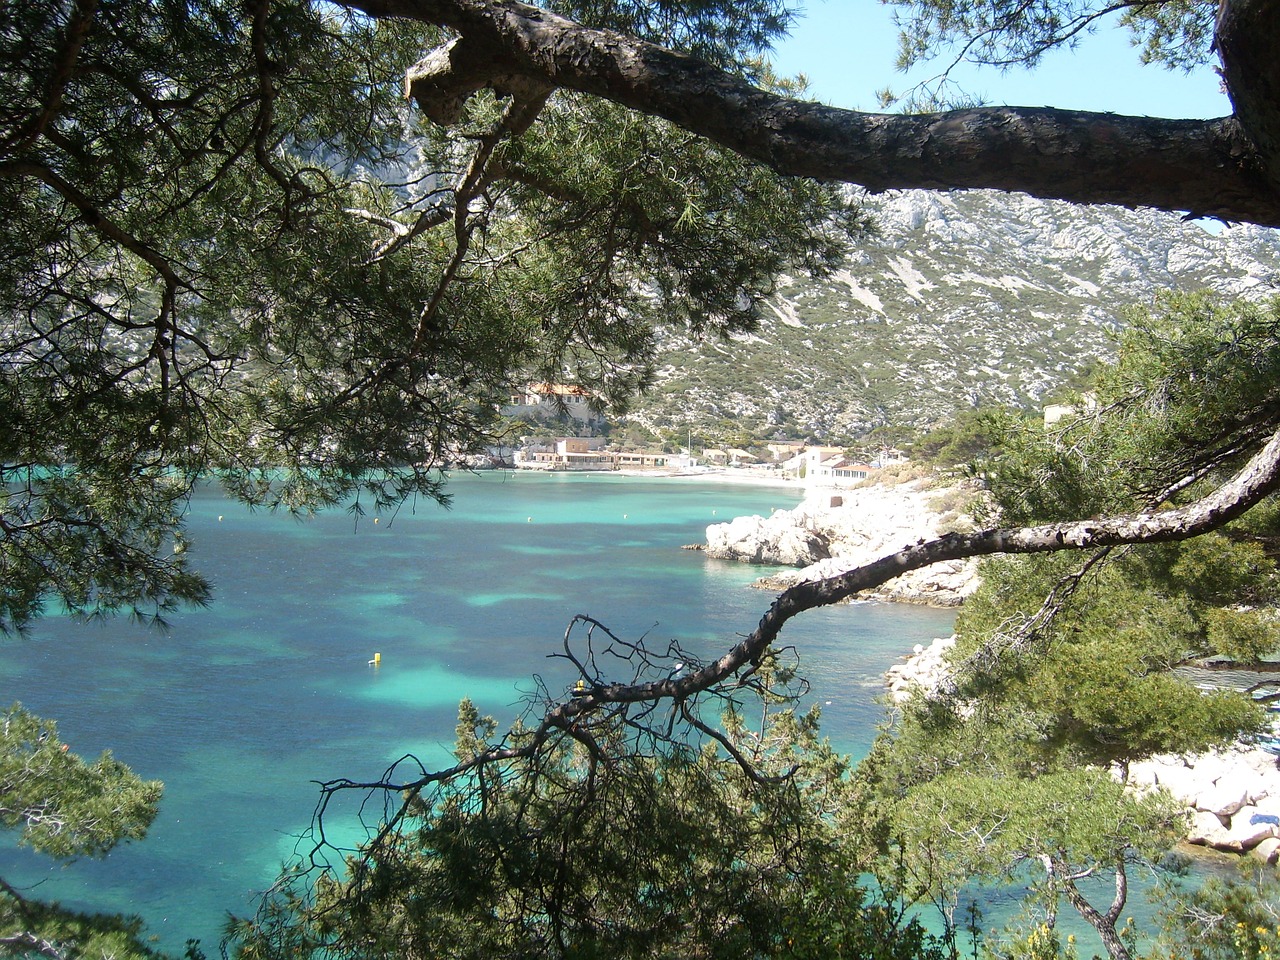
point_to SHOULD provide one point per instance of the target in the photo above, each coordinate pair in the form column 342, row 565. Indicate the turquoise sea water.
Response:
column 241, row 706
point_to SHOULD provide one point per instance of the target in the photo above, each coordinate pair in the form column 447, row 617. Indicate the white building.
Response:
column 827, row 467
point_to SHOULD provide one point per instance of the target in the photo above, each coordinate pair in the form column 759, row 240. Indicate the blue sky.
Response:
column 847, row 49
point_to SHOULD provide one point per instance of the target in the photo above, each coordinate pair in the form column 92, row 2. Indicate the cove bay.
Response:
column 241, row 706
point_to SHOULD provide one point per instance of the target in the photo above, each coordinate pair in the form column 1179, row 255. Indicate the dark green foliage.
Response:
column 1177, row 34
column 972, row 435
column 1192, row 394
column 594, row 848
column 1009, row 33
column 226, row 253
column 65, row 807
column 1096, row 676
column 1225, row 917
column 30, row 929
column 1067, row 670
column 720, row 32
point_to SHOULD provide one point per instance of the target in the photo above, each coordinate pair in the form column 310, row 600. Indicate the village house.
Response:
column 570, row 453
column 587, row 453
column 1055, row 413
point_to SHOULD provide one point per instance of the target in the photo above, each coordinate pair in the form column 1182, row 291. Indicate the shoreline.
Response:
column 745, row 478
column 721, row 475
column 729, row 476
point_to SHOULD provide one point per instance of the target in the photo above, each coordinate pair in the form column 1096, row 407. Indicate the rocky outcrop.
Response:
column 925, row 670
column 784, row 539
column 1232, row 796
column 838, row 531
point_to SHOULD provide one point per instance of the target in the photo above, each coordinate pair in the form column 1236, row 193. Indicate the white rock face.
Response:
column 966, row 298
column 1205, row 829
column 1249, row 827
column 1223, row 799
column 868, row 523
column 781, row 539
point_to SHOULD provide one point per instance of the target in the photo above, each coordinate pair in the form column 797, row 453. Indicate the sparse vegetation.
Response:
column 1000, row 323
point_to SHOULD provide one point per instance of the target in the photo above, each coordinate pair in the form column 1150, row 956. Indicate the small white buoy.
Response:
column 375, row 520
column 828, row 703
column 528, row 519
column 219, row 518
column 624, row 516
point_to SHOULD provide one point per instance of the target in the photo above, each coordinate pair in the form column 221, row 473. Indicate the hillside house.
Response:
column 784, row 449
column 550, row 401
column 1055, row 413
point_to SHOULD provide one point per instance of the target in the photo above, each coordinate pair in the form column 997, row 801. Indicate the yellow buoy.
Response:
column 376, row 661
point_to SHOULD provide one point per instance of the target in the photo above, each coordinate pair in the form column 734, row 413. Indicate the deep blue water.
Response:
column 239, row 707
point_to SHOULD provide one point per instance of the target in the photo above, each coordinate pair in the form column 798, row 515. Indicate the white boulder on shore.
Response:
column 834, row 531
column 925, row 670
column 1232, row 796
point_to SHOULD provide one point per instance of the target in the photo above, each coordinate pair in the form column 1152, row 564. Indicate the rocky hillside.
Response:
column 964, row 299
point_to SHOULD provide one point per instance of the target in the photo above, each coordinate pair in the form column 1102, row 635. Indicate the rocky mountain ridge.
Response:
column 964, row 299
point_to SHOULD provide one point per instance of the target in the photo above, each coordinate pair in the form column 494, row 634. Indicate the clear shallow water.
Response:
column 239, row 707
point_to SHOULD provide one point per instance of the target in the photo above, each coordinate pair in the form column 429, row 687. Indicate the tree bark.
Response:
column 1201, row 167
column 1105, row 924
column 1246, row 40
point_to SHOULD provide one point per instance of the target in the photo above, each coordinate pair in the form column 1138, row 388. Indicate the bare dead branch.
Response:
column 24, row 941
